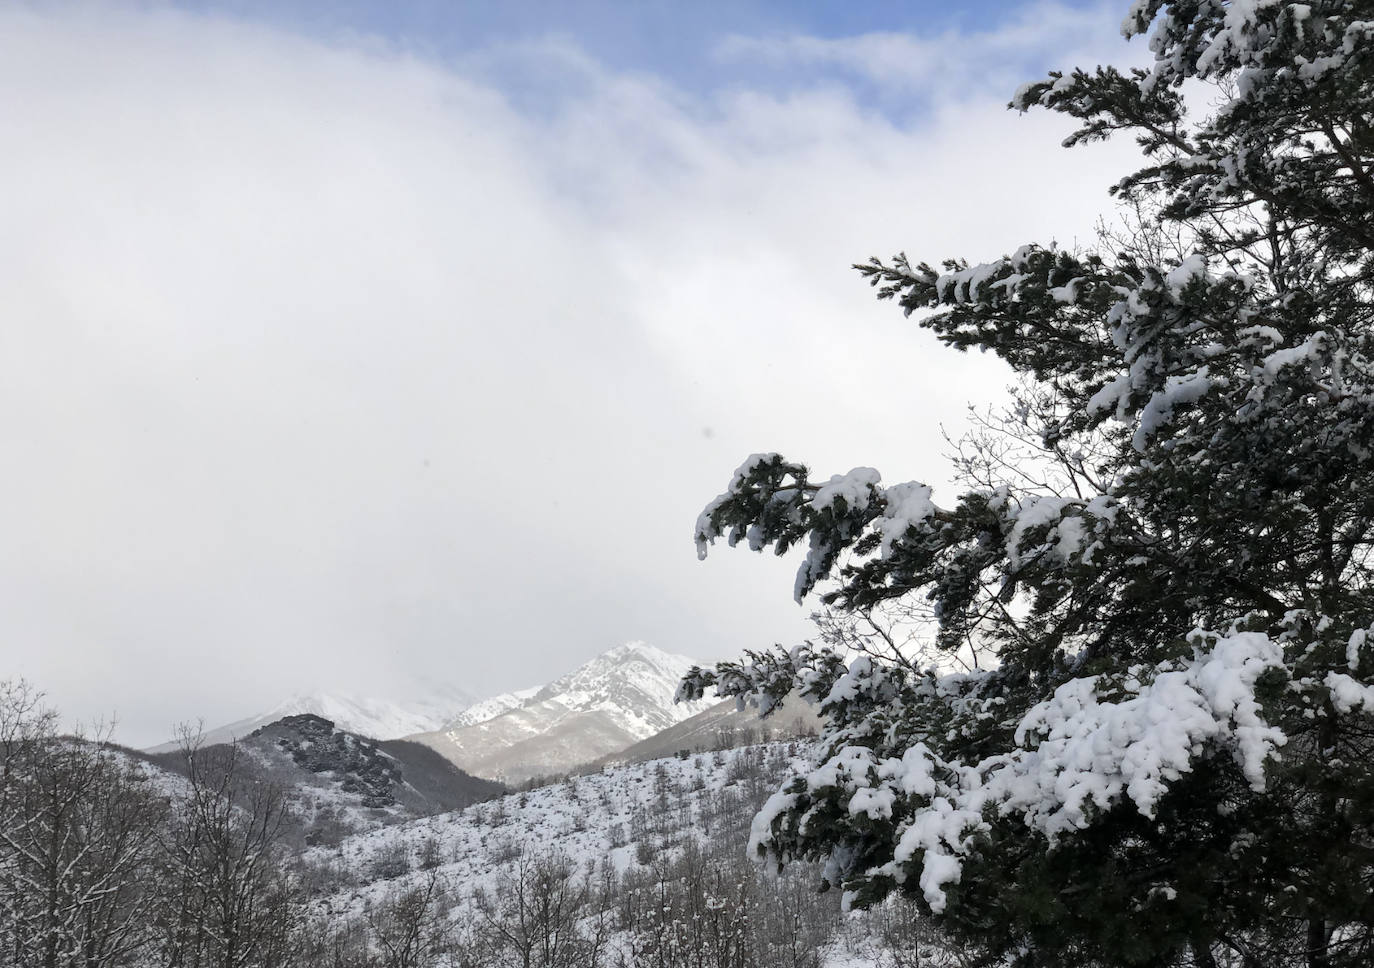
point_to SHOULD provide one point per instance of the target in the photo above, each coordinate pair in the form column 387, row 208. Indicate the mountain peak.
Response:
column 635, row 665
column 617, row 698
column 635, row 647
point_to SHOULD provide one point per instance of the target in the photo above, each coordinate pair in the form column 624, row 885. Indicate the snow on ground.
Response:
column 629, row 816
column 590, row 819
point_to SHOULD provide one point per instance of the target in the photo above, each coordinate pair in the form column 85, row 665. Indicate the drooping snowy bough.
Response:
column 1165, row 544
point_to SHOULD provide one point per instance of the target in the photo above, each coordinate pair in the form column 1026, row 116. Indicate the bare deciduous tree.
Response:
column 540, row 916
column 230, row 902
column 78, row 823
column 410, row 928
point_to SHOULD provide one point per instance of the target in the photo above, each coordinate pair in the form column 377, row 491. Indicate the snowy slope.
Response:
column 367, row 716
column 633, row 820
column 490, row 708
column 586, row 818
column 615, row 700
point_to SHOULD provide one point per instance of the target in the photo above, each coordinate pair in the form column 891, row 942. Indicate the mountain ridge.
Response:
column 334, row 781
column 609, row 703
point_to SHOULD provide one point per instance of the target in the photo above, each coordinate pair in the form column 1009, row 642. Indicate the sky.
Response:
column 371, row 347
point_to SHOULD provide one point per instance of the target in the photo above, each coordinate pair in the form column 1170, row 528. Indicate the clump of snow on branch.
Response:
column 1083, row 752
column 1036, row 512
column 855, row 489
column 908, row 506
column 1349, row 694
column 1177, row 391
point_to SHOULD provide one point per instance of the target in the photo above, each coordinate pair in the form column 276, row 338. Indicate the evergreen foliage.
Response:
column 1163, row 546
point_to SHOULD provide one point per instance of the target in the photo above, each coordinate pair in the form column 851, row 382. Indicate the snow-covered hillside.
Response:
column 654, row 855
column 364, row 715
column 594, row 819
column 617, row 699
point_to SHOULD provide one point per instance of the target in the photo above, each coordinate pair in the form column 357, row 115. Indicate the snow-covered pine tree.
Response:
column 1172, row 759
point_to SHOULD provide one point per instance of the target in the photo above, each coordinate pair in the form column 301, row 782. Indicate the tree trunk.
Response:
column 1202, row 955
column 1316, row 944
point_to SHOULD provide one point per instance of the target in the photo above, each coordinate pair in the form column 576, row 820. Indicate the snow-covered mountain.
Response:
column 381, row 719
column 492, row 707
column 615, row 700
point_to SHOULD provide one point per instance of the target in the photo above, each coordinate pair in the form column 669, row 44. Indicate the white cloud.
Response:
column 327, row 365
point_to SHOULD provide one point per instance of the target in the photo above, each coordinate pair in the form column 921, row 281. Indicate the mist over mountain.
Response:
column 378, row 718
